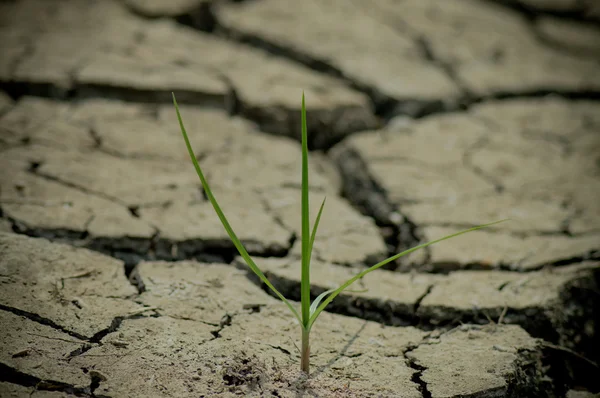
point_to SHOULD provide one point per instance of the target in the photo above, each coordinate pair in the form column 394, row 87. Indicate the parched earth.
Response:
column 425, row 117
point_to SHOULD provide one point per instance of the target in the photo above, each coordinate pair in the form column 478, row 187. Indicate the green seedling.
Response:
column 308, row 312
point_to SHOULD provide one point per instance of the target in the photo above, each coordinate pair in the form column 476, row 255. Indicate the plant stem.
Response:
column 305, row 351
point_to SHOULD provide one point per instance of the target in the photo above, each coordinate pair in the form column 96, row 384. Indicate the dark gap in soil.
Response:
column 134, row 277
column 16, row 90
column 57, row 235
column 95, row 383
column 14, row 376
column 11, row 375
column 416, row 377
column 42, row 321
column 584, row 94
column 201, row 18
column 34, row 166
column 105, row 91
column 95, row 137
column 420, row 299
column 224, row 322
column 447, row 267
column 133, row 250
column 134, row 211
column 569, row 370
column 446, row 67
column 129, row 250
column 284, row 52
column 233, row 103
column 591, row 255
column 361, row 189
column 81, row 350
column 531, row 12
column 418, row 110
column 211, row 250
column 114, row 325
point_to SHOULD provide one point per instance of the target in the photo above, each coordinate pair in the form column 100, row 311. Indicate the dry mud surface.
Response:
column 425, row 117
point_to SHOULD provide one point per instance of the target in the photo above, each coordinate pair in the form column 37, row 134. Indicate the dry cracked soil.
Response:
column 425, row 117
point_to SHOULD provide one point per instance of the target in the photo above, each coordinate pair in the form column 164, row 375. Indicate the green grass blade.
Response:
column 313, row 306
column 238, row 245
column 305, row 277
column 381, row 264
column 320, row 297
column 314, row 231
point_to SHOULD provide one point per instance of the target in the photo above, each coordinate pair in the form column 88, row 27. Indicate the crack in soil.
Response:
column 114, row 326
column 583, row 94
column 590, row 255
column 410, row 108
column 530, row 12
column 362, row 190
column 34, row 170
column 133, row 250
column 467, row 159
column 42, row 321
column 210, row 250
column 85, row 347
column 87, row 341
column 418, row 371
column 422, row 297
column 82, row 91
column 14, row 376
column 379, row 100
column 265, row 204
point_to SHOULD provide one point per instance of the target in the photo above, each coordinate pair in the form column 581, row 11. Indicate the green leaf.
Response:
column 238, row 244
column 314, row 232
column 350, row 281
column 305, row 277
column 320, row 297
column 313, row 306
